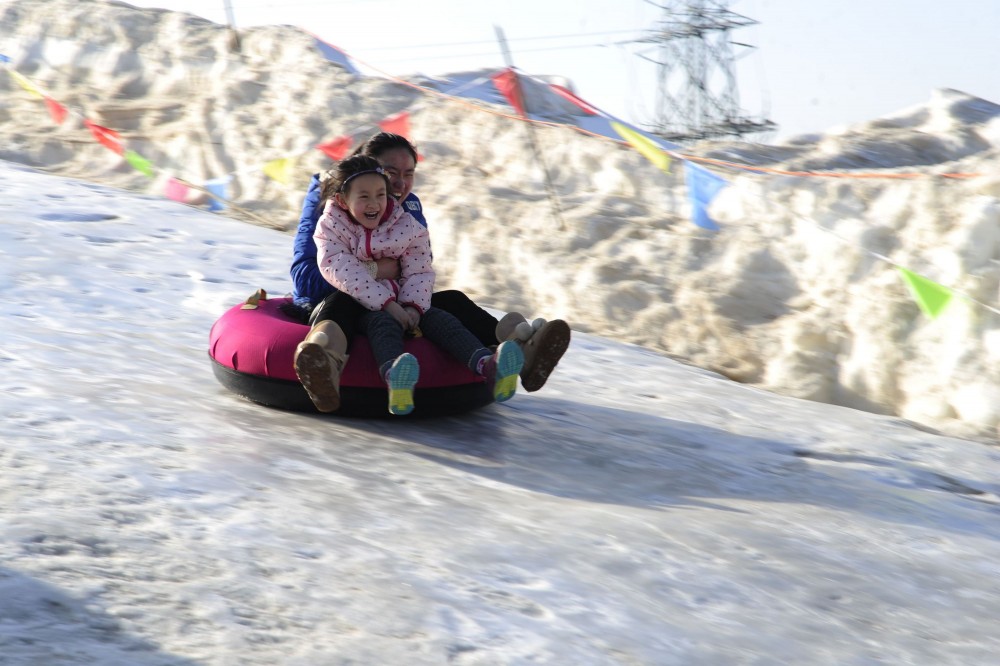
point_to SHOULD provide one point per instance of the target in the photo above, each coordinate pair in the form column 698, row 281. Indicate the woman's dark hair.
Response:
column 339, row 176
column 383, row 142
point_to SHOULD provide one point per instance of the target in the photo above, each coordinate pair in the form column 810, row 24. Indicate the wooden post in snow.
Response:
column 519, row 95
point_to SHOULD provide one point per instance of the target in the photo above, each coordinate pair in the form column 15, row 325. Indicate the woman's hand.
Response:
column 388, row 268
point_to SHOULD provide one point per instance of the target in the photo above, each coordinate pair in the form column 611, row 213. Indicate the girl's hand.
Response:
column 414, row 316
column 399, row 314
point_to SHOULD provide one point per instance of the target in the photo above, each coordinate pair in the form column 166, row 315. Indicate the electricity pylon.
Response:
column 697, row 95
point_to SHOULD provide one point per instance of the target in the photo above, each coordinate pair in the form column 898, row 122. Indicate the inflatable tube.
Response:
column 252, row 347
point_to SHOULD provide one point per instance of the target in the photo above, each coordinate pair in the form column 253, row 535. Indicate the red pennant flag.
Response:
column 108, row 138
column 56, row 110
column 506, row 83
column 336, row 149
column 397, row 124
column 568, row 95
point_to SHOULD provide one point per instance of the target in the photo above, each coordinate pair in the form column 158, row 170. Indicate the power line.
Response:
column 493, row 53
column 519, row 39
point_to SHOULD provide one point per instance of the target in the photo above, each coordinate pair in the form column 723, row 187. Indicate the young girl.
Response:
column 361, row 223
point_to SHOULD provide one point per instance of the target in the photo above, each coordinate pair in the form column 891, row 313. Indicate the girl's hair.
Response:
column 339, row 177
column 383, row 142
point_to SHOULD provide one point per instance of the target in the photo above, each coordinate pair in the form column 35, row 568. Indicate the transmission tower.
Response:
column 697, row 95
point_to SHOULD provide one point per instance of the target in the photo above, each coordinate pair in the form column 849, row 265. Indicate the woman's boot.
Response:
column 319, row 360
column 543, row 343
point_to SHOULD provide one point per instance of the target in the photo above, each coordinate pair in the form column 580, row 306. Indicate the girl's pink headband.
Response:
column 379, row 170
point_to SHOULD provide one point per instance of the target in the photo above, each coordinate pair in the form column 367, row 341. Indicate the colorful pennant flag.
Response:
column 506, row 82
column 56, row 110
column 176, row 190
column 108, row 138
column 280, row 169
column 646, row 146
column 702, row 187
column 569, row 96
column 336, row 149
column 930, row 296
column 139, row 163
column 26, row 84
column 397, row 124
column 219, row 188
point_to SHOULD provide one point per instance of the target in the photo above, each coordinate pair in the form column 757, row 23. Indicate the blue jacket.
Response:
column 309, row 287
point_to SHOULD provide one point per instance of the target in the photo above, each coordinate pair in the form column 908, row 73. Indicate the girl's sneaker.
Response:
column 502, row 368
column 401, row 378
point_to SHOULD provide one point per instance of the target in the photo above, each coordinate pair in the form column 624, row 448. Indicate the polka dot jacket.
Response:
column 343, row 246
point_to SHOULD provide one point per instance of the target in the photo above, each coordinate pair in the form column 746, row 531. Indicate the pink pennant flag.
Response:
column 176, row 190
column 108, row 138
column 397, row 124
column 568, row 95
column 506, row 83
column 336, row 149
column 56, row 110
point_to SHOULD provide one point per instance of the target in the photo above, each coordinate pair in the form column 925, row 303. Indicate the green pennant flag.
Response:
column 930, row 296
column 139, row 163
column 646, row 146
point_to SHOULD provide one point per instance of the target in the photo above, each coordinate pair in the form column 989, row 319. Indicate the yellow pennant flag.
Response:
column 930, row 296
column 26, row 84
column 646, row 146
column 280, row 169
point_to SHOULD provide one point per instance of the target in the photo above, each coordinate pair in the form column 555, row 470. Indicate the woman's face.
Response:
column 401, row 169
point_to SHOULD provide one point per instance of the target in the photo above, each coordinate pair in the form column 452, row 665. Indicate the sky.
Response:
column 815, row 65
column 636, row 510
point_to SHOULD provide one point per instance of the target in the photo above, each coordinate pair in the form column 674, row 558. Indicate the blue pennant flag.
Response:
column 702, row 186
column 4, row 58
column 220, row 188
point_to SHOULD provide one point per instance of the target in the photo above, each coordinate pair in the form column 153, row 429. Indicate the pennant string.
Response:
column 703, row 185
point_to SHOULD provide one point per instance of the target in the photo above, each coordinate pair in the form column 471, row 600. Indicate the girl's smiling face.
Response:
column 365, row 199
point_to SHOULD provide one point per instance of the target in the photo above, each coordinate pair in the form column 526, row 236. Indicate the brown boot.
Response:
column 543, row 343
column 319, row 360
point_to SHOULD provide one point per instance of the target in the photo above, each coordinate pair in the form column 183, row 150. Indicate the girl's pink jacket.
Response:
column 343, row 246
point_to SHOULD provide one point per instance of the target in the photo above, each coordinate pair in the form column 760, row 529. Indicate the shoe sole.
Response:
column 549, row 344
column 312, row 366
column 510, row 360
column 403, row 377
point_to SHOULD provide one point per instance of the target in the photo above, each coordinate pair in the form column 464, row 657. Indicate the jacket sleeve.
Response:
column 308, row 284
column 417, row 270
column 341, row 268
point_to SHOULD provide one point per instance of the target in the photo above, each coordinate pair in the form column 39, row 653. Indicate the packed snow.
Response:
column 636, row 510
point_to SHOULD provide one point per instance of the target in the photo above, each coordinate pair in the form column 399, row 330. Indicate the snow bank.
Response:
column 797, row 293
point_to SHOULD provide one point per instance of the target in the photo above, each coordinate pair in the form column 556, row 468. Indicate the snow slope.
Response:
column 637, row 510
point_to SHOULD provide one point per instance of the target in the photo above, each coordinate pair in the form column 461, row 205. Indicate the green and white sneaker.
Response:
column 502, row 368
column 401, row 378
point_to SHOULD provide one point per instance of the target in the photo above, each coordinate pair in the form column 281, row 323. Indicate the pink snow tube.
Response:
column 252, row 350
